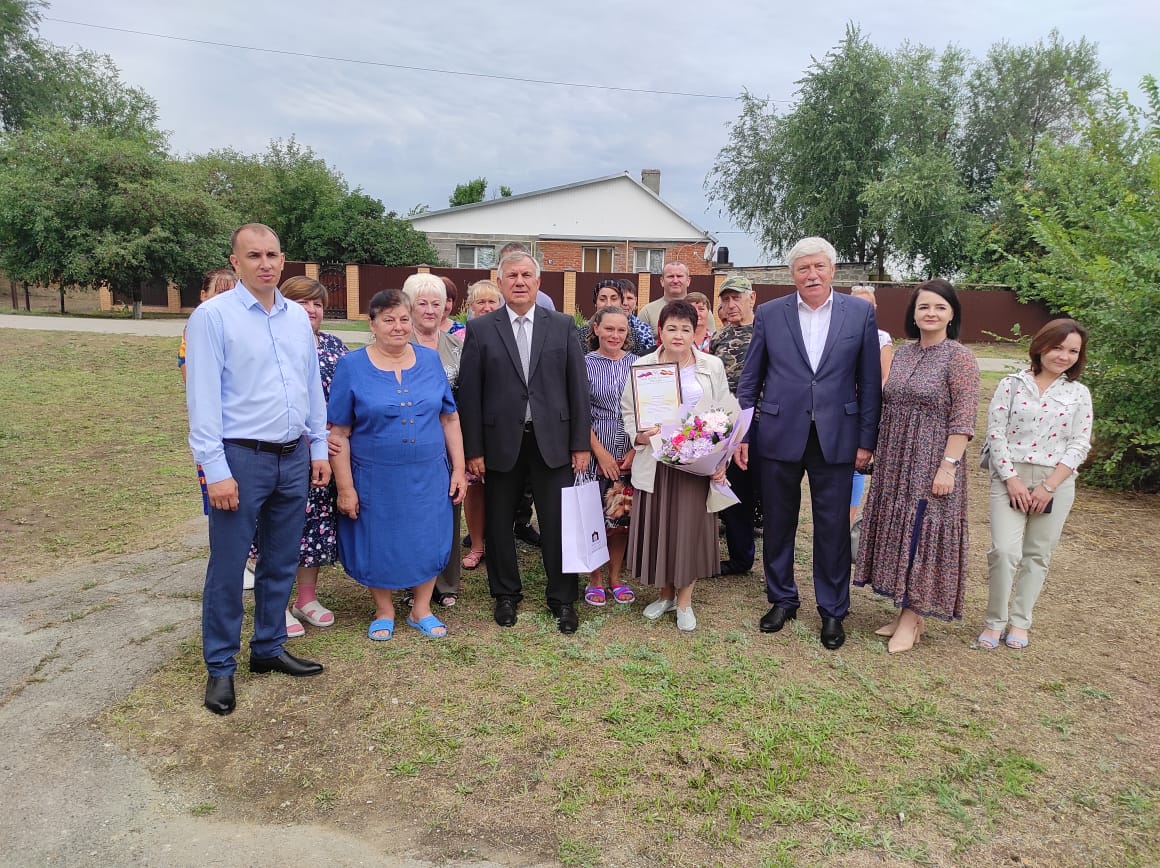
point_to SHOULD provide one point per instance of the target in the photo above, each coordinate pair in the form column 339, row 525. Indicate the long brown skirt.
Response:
column 672, row 540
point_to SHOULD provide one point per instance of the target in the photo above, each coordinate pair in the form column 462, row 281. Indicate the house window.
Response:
column 598, row 259
column 475, row 256
column 650, row 259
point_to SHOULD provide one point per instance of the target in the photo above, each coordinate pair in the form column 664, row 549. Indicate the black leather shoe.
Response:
column 566, row 618
column 527, row 533
column 219, row 694
column 505, row 612
column 833, row 636
column 286, row 663
column 728, row 568
column 775, row 618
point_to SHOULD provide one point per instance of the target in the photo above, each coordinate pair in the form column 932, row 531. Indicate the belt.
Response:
column 263, row 446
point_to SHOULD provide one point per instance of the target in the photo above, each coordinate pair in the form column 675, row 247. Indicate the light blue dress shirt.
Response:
column 251, row 375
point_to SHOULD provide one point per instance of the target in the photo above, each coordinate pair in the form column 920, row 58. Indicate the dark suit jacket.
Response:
column 493, row 394
column 843, row 397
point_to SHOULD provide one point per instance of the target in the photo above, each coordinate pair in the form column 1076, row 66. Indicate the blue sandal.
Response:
column 381, row 625
column 428, row 625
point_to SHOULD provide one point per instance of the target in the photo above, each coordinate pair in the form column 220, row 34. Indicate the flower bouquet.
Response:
column 704, row 442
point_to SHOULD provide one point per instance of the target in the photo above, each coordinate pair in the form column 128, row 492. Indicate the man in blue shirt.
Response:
column 257, row 426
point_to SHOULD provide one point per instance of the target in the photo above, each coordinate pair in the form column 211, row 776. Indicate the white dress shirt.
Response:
column 815, row 325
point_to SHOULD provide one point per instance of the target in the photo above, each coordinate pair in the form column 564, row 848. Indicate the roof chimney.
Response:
column 651, row 178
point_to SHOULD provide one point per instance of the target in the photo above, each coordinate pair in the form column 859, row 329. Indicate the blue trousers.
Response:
column 272, row 492
column 781, row 495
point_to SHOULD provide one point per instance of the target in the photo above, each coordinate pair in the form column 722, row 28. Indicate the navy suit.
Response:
column 812, row 422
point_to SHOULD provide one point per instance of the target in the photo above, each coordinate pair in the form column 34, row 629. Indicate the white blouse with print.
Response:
column 1048, row 429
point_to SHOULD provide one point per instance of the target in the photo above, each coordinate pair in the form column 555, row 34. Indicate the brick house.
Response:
column 610, row 224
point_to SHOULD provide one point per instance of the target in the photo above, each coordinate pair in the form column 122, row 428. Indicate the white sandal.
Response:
column 294, row 628
column 313, row 613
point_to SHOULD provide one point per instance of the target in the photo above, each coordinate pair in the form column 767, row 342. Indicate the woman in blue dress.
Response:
column 399, row 466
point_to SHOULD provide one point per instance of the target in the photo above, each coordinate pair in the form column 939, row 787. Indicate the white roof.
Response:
column 616, row 207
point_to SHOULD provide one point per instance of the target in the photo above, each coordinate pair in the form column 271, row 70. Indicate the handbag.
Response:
column 584, row 542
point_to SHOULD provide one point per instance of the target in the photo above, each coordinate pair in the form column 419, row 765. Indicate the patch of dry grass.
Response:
column 92, row 442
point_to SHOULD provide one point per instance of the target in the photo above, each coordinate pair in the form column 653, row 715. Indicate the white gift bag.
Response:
column 585, row 543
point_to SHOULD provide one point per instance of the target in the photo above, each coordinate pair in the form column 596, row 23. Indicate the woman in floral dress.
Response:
column 319, row 540
column 914, row 530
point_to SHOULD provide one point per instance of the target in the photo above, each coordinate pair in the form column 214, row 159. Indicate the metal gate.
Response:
column 333, row 277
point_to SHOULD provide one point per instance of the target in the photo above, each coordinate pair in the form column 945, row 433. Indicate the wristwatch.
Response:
column 954, row 462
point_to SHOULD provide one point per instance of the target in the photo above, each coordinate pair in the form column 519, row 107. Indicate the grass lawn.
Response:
column 627, row 744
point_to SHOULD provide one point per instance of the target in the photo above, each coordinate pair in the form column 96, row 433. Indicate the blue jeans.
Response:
column 272, row 493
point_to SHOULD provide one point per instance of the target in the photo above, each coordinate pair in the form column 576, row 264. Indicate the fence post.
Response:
column 643, row 285
column 569, row 291
column 105, row 296
column 353, row 310
column 312, row 270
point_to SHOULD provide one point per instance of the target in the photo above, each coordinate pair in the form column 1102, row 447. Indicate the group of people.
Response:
column 309, row 450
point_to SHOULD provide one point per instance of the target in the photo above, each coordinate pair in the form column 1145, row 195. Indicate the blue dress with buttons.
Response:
column 398, row 458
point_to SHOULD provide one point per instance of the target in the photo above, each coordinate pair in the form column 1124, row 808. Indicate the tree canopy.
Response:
column 908, row 157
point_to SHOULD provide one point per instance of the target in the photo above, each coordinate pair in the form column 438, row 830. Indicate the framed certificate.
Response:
column 656, row 393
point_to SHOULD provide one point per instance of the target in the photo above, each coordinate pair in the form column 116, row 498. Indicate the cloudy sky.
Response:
column 408, row 136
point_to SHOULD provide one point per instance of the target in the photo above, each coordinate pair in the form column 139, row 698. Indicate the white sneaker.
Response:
column 248, row 577
column 657, row 608
column 294, row 628
column 686, row 620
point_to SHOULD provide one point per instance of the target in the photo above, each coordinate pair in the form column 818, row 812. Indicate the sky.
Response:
column 407, row 136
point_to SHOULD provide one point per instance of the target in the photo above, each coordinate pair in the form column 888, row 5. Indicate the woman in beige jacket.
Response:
column 672, row 540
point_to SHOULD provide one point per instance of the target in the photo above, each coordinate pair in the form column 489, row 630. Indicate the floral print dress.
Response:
column 914, row 545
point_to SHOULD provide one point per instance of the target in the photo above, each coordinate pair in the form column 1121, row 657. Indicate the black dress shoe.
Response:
column 728, row 568
column 286, row 663
column 219, row 694
column 527, row 533
column 566, row 618
column 505, row 612
column 833, row 636
column 775, row 618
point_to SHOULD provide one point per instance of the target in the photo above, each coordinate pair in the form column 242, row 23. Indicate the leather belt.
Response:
column 264, row 446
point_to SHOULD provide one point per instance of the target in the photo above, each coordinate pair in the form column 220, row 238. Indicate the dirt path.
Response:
column 73, row 644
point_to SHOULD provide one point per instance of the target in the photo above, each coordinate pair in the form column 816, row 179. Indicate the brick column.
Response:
column 106, row 298
column 352, row 294
column 569, row 291
column 643, row 284
column 423, row 269
column 718, row 279
column 312, row 269
column 173, row 298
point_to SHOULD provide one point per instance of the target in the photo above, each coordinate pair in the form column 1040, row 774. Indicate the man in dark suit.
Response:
column 523, row 402
column 813, row 369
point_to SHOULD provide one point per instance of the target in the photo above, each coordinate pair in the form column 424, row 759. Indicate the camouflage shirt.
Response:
column 731, row 344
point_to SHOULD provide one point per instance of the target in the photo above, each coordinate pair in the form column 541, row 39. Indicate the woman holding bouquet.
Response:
column 612, row 455
column 672, row 539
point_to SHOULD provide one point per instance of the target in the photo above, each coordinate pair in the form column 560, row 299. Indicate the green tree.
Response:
column 803, row 173
column 920, row 198
column 93, row 207
column 1094, row 210
column 505, row 192
column 360, row 230
column 468, row 192
column 40, row 81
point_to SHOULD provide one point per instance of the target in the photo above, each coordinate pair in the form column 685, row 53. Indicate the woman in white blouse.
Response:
column 1038, row 434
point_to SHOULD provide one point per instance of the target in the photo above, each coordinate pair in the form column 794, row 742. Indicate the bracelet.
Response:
column 954, row 462
column 1047, row 488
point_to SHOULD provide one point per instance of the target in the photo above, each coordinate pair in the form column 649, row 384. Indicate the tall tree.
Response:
column 40, row 81
column 803, row 173
column 468, row 192
column 1093, row 207
column 94, row 207
column 359, row 229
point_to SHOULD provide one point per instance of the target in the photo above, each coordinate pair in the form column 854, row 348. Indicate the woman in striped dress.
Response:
column 608, row 365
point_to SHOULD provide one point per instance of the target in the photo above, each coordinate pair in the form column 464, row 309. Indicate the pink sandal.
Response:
column 472, row 558
column 623, row 594
column 595, row 597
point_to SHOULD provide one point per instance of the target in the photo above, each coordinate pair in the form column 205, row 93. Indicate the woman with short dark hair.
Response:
column 395, row 492
column 914, row 529
column 1038, row 434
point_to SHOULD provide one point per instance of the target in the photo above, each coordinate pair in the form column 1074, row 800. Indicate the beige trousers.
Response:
column 1021, row 547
